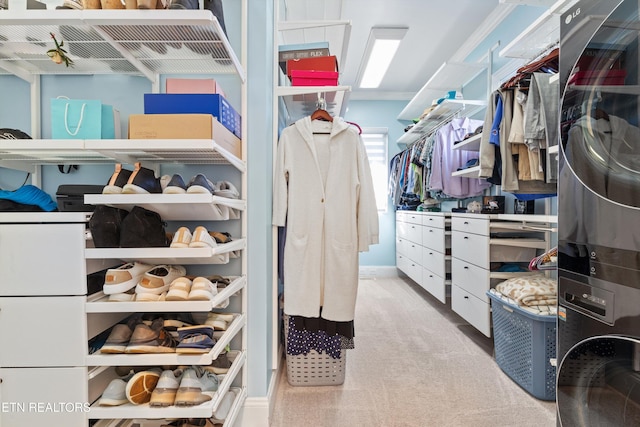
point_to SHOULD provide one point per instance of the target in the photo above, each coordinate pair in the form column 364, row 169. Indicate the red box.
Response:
column 318, row 63
column 314, row 78
column 598, row 77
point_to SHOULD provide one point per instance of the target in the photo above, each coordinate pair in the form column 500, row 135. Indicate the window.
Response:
column 375, row 142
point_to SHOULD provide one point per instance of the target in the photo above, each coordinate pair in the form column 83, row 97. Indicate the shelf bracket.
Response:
column 17, row 71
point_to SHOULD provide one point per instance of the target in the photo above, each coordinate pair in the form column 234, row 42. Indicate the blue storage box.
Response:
column 524, row 344
column 195, row 103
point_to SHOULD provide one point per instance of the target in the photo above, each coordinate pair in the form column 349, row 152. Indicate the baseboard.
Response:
column 373, row 272
column 257, row 411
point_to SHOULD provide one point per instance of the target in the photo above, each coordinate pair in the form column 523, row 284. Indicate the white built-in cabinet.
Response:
column 423, row 250
column 438, row 250
column 47, row 315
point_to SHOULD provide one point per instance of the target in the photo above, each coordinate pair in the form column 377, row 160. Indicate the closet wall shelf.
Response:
column 172, row 359
column 442, row 114
column 541, row 35
column 99, row 302
column 450, row 76
column 336, row 32
column 187, row 207
column 27, row 154
column 473, row 172
column 190, row 256
column 301, row 101
column 137, row 42
column 129, row 411
column 469, row 144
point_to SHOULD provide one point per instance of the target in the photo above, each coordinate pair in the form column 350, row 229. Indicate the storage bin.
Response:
column 194, row 103
column 314, row 369
column 317, row 63
column 524, row 344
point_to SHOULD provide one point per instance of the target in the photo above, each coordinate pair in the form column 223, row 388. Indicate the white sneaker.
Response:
column 202, row 290
column 157, row 279
column 165, row 392
column 120, row 280
column 202, row 239
column 181, row 238
column 226, row 189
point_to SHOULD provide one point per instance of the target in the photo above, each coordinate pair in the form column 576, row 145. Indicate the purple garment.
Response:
column 445, row 160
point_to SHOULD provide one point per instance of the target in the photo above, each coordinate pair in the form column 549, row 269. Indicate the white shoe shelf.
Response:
column 203, row 410
column 128, row 42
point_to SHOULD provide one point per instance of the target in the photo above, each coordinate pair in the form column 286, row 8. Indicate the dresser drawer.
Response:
column 470, row 225
column 63, row 389
column 42, row 259
column 402, row 262
column 43, row 331
column 434, row 261
column 471, row 278
column 413, row 218
column 434, row 284
column 471, row 309
column 414, row 252
column 433, row 238
column 473, row 248
column 401, row 245
column 412, row 232
column 433, row 221
column 413, row 270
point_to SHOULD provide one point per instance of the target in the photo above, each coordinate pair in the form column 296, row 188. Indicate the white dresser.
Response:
column 479, row 243
column 423, row 242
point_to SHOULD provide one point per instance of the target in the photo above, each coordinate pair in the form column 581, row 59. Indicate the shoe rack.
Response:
column 56, row 365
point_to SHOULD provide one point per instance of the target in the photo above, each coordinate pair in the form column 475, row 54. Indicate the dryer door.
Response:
column 600, row 109
column 599, row 383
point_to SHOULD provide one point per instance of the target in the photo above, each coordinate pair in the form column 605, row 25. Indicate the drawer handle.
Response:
column 465, row 267
column 431, row 275
column 466, row 223
column 430, row 231
column 430, row 253
column 466, row 297
column 465, row 237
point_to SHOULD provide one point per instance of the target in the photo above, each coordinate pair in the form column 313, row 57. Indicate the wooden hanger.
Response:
column 321, row 114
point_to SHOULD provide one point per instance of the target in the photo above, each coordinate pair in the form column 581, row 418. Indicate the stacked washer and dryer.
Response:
column 598, row 348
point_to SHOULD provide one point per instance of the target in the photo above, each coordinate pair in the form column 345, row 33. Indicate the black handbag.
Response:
column 143, row 228
column 105, row 224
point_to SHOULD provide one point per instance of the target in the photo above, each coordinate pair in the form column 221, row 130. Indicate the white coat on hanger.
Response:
column 328, row 204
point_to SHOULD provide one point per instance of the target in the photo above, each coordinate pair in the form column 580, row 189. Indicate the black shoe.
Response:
column 142, row 181
column 105, row 225
column 175, row 186
column 200, row 184
column 143, row 228
column 117, row 181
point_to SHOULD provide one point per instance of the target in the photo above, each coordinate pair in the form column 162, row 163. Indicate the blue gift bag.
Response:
column 110, row 119
column 76, row 118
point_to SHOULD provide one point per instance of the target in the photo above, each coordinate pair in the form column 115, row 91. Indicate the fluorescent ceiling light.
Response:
column 381, row 47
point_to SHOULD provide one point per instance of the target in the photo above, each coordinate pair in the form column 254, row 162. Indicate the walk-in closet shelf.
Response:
column 133, row 42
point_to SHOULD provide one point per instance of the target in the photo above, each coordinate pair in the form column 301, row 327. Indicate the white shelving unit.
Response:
column 142, row 43
column 442, row 114
column 541, row 35
column 300, row 101
column 450, row 76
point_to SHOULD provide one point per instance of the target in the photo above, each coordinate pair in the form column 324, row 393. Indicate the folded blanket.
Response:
column 548, row 310
column 531, row 290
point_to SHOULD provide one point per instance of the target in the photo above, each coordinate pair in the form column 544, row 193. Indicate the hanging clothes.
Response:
column 446, row 160
column 323, row 190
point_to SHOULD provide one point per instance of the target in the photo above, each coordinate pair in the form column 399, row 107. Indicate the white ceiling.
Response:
column 439, row 31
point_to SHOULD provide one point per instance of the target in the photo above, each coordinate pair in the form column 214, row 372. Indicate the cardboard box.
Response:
column 194, row 103
column 184, row 126
column 320, row 63
column 302, row 50
column 209, row 86
column 314, row 78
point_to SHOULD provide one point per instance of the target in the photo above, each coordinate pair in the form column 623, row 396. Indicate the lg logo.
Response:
column 572, row 15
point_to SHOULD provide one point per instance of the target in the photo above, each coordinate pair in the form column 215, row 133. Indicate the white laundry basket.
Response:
column 314, row 369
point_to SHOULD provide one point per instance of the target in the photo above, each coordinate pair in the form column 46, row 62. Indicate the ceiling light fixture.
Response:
column 381, row 47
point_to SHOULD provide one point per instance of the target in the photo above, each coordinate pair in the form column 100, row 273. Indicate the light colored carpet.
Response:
column 416, row 363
